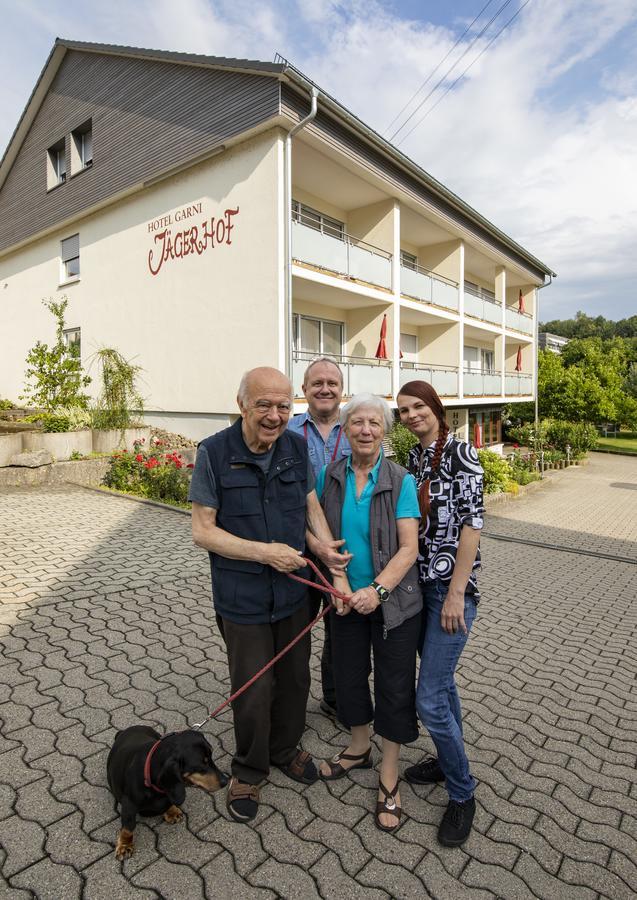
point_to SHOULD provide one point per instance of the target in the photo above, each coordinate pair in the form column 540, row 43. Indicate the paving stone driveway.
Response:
column 106, row 621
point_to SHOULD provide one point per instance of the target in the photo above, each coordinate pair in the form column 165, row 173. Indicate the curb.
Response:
column 506, row 497
column 109, row 492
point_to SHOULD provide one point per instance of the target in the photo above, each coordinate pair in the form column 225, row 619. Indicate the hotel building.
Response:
column 193, row 226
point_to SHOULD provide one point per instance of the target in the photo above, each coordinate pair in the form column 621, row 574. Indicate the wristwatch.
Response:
column 382, row 592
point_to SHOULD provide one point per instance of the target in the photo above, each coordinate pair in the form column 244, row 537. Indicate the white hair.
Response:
column 369, row 401
column 322, row 359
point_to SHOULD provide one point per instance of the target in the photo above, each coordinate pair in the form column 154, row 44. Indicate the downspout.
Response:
column 288, row 228
column 537, row 351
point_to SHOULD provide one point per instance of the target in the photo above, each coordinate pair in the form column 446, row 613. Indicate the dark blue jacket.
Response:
column 257, row 508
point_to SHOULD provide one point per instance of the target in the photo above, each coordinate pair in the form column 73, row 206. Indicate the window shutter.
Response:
column 70, row 247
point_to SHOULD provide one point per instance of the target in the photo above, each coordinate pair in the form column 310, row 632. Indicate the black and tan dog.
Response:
column 148, row 774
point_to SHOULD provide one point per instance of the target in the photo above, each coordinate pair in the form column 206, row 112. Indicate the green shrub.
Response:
column 498, row 474
column 6, row 404
column 54, row 376
column 150, row 473
column 579, row 436
column 120, row 404
column 401, row 440
column 50, row 422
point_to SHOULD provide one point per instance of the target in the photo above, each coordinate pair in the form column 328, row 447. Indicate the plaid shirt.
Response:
column 455, row 497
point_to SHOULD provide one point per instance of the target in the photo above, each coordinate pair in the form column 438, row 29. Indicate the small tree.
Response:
column 54, row 376
column 119, row 399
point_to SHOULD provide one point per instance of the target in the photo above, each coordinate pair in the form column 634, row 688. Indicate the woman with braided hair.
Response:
column 449, row 479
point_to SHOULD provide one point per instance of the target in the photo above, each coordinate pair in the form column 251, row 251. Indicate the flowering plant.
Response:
column 150, row 472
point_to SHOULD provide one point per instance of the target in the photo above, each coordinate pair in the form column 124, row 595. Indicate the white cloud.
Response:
column 550, row 163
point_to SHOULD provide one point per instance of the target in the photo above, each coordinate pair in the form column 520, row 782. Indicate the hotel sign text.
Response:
column 194, row 240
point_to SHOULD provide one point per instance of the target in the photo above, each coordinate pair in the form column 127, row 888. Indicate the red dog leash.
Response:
column 327, row 588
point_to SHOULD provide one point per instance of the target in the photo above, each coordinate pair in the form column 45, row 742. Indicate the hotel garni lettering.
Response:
column 170, row 243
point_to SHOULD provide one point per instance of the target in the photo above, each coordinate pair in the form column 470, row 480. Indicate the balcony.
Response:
column 444, row 379
column 519, row 321
column 482, row 384
column 517, row 384
column 360, row 374
column 326, row 247
column 421, row 284
column 481, row 307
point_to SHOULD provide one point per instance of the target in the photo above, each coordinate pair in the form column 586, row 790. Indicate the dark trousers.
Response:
column 269, row 718
column 318, row 600
column 354, row 638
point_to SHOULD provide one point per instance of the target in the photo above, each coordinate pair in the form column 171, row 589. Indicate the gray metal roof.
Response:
column 282, row 68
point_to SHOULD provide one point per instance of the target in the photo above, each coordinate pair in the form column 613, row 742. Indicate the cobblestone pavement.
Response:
column 106, row 621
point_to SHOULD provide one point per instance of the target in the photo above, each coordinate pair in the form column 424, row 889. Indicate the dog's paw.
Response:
column 124, row 848
column 173, row 814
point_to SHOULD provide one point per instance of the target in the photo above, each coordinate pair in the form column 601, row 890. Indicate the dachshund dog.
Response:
column 148, row 774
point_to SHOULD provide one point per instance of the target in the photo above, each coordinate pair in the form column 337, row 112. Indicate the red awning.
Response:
column 518, row 362
column 381, row 350
column 477, row 436
column 521, row 302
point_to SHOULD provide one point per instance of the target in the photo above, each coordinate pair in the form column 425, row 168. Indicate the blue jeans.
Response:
column 437, row 698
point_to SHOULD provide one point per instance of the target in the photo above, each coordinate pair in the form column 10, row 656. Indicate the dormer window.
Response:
column 82, row 147
column 56, row 165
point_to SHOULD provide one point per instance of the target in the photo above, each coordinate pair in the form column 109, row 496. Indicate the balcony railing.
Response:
column 481, row 307
column 517, row 383
column 329, row 248
column 482, row 384
column 519, row 321
column 421, row 284
column 444, row 379
column 360, row 374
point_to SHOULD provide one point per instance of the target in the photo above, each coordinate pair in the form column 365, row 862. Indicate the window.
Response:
column 408, row 260
column 82, row 147
column 318, row 336
column 72, row 341
column 56, row 165
column 476, row 291
column 408, row 349
column 312, row 218
column 70, row 252
column 486, row 359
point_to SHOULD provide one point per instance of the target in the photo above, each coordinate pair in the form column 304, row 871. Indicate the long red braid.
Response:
column 425, row 392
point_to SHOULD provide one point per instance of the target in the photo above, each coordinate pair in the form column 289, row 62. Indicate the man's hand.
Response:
column 283, row 558
column 329, row 554
column 452, row 614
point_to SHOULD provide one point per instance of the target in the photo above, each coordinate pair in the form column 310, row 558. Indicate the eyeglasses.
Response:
column 264, row 406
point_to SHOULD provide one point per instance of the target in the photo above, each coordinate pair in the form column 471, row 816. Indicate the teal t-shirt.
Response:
column 355, row 519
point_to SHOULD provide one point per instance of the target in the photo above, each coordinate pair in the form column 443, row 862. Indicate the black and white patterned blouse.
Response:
column 455, row 496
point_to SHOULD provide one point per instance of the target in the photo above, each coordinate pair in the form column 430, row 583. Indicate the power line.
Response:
column 450, row 70
column 431, row 74
column 431, row 108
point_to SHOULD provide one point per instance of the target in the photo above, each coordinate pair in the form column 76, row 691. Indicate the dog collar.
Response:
column 148, row 781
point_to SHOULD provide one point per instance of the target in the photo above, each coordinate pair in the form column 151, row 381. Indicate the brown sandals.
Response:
column 338, row 771
column 388, row 805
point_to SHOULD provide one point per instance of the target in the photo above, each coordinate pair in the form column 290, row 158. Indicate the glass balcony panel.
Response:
column 515, row 319
column 473, row 306
column 319, row 249
column 518, row 383
column 473, row 384
column 367, row 377
column 368, row 266
column 492, row 384
column 416, row 284
column 445, row 294
column 493, row 312
column 445, row 381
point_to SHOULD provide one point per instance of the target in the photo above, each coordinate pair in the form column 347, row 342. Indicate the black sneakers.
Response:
column 456, row 823
column 426, row 772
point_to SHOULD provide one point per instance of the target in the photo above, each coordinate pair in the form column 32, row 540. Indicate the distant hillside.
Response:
column 583, row 326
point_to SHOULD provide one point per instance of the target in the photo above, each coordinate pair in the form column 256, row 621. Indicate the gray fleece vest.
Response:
column 405, row 600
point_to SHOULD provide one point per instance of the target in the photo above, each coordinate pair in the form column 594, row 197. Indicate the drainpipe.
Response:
column 288, row 227
column 537, row 351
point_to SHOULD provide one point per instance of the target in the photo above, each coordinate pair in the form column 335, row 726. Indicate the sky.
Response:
column 539, row 134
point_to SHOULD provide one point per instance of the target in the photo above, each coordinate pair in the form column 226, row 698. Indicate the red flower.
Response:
column 151, row 463
column 139, row 457
column 190, row 466
column 516, row 446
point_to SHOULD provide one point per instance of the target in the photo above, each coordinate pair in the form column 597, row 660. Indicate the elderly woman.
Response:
column 449, row 478
column 372, row 504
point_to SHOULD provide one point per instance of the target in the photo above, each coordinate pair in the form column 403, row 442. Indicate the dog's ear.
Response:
column 170, row 780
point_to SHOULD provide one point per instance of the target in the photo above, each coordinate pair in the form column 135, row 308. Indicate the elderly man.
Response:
column 252, row 498
column 326, row 443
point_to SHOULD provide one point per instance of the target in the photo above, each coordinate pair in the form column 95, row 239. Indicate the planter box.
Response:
column 59, row 444
column 105, row 441
column 10, row 444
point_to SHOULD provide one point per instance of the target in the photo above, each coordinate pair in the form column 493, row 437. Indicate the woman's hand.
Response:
column 364, row 601
column 340, row 582
column 452, row 615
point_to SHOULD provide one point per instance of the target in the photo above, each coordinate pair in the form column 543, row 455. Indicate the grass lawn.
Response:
column 625, row 443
